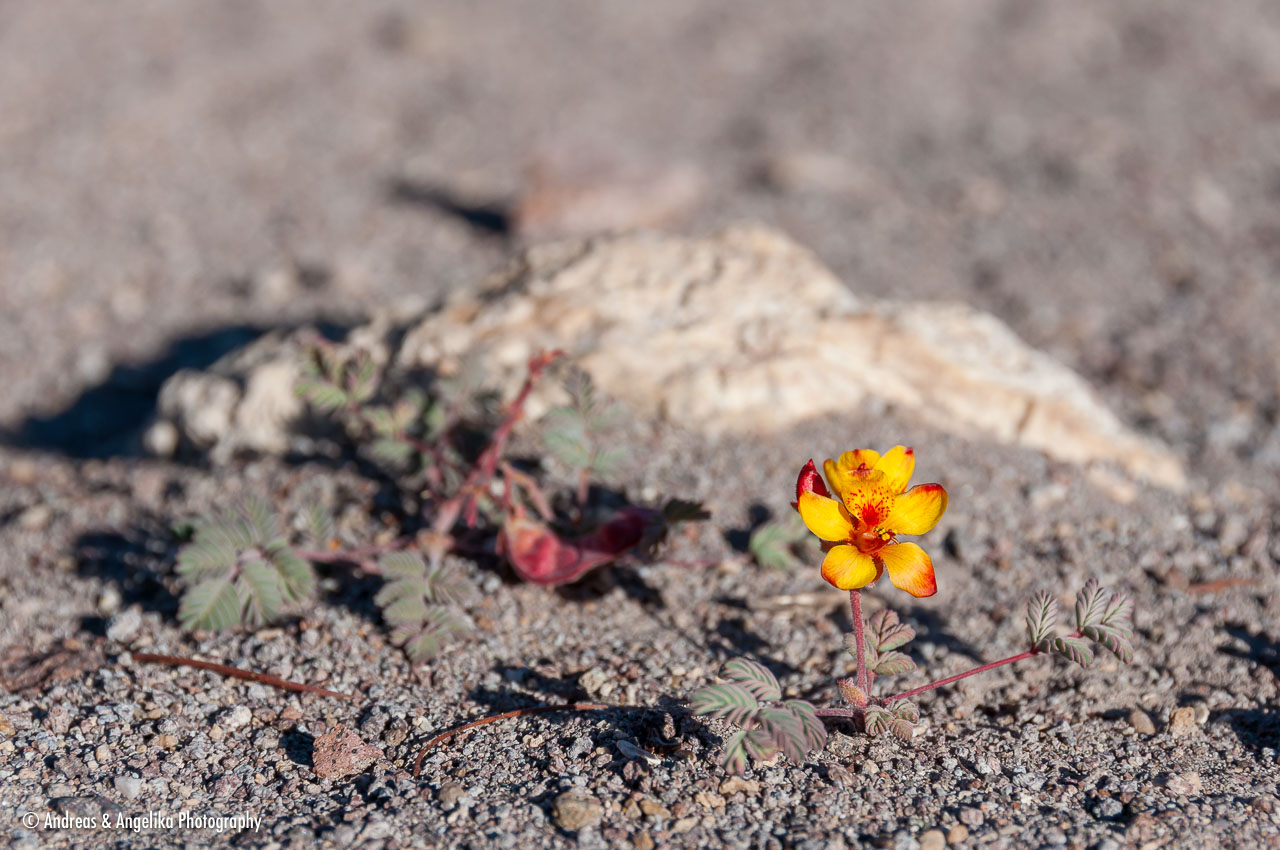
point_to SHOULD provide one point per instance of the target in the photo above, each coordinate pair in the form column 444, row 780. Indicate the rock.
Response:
column 341, row 752
column 1142, row 722
column 235, row 718
column 737, row 333
column 575, row 810
column 6, row 727
column 971, row 816
column 124, row 626
column 1184, row 784
column 745, row 331
column 110, row 600
column 642, row 840
column 734, row 784
column 129, row 787
column 957, row 834
column 245, row 401
column 596, row 682
column 35, row 518
column 448, row 795
column 1182, row 721
column 932, row 839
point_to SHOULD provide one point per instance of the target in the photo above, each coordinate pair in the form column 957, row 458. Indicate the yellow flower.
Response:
column 872, row 506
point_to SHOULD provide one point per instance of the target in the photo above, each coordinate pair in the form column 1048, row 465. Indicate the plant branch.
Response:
column 1030, row 653
column 855, row 611
column 237, row 673
column 494, row 718
column 465, row 502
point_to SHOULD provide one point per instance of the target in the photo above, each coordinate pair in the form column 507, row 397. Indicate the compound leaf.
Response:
column 752, row 676
column 729, row 701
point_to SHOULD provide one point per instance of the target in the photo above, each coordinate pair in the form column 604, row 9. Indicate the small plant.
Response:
column 752, row 700
column 445, row 443
column 860, row 525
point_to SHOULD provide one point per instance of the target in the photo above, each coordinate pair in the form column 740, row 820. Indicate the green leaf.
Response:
column 607, row 461
column 382, row 421
column 770, row 545
column 876, row 720
column 901, row 728
column 392, row 452
column 753, row 676
column 364, row 377
column 297, row 578
column 211, row 604
column 785, row 732
column 439, row 624
column 325, row 397
column 1119, row 614
column 409, row 609
column 815, row 732
column 402, row 565
column 1072, row 649
column 735, row 754
column 205, row 558
column 886, row 632
column 1090, row 604
column 259, row 591
column 1113, row 639
column 261, row 519
column 728, row 700
column 319, row 525
column 892, row 663
column 1042, row 617
column 761, row 745
column 905, row 710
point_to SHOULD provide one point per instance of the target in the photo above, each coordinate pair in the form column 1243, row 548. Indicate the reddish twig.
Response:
column 360, row 555
column 465, row 502
column 237, row 673
column 1030, row 653
column 494, row 718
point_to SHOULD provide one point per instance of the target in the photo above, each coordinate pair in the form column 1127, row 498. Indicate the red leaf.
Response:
column 541, row 556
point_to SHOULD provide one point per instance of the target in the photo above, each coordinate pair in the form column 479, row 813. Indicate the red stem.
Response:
column 237, row 673
column 855, row 609
column 1030, row 653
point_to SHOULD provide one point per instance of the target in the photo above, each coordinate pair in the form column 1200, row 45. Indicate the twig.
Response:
column 1030, row 653
column 237, row 673
column 360, row 556
column 493, row 718
column 465, row 502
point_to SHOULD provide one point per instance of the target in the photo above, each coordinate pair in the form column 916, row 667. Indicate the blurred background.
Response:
column 1104, row 177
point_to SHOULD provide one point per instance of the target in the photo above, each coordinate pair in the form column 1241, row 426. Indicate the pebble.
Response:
column 957, row 833
column 124, row 626
column 734, row 784
column 1107, row 807
column 129, row 787
column 596, row 682
column 1142, row 722
column 342, row 752
column 642, row 840
column 1182, row 722
column 932, row 839
column 448, row 795
column 574, row 810
column 6, row 727
column 971, row 816
column 35, row 518
column 1184, row 784
column 235, row 718
column 109, row 601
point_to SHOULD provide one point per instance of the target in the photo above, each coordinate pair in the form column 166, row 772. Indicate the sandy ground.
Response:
column 175, row 177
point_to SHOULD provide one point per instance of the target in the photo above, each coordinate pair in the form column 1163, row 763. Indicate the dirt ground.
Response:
column 177, row 177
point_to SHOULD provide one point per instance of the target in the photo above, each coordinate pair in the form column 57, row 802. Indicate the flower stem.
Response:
column 855, row 611
column 1030, row 653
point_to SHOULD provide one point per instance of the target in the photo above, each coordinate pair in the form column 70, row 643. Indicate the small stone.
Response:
column 596, row 683
column 59, row 719
column 125, row 625
column 1107, row 807
column 216, row 733
column 448, row 795
column 734, row 784
column 869, row 768
column 167, row 742
column 110, row 601
column 654, row 809
column 1184, row 784
column 1142, row 722
column 903, row 840
column 129, row 787
column 235, row 718
column 35, row 518
column 575, row 810
column 642, row 840
column 161, row 439
column 683, row 825
column 6, row 728
column 103, row 754
column 1182, row 722
column 932, row 839
column 341, row 752
column 957, row 833
column 971, row 816
column 580, row 747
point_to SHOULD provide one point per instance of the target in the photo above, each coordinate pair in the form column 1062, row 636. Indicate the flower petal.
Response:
column 810, row 481
column 848, row 569
column 824, row 517
column 840, row 472
column 917, row 510
column 897, row 464
column 909, row 568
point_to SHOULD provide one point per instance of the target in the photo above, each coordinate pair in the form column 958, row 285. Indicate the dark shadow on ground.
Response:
column 135, row 560
column 739, row 538
column 1257, row 728
column 107, row 420
column 487, row 217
